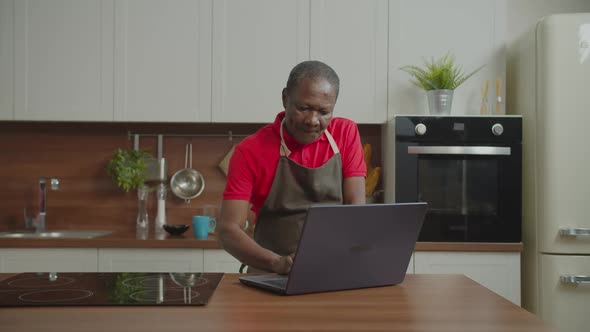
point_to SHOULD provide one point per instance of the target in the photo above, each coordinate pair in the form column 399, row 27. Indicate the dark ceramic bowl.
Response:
column 176, row 229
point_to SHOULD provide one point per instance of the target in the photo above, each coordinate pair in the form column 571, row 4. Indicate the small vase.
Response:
column 161, row 213
column 141, row 225
column 440, row 101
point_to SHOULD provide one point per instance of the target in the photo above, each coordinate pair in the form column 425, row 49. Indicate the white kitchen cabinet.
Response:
column 351, row 37
column 410, row 269
column 497, row 271
column 162, row 61
column 63, row 60
column 255, row 45
column 48, row 260
column 6, row 60
column 219, row 260
column 150, row 260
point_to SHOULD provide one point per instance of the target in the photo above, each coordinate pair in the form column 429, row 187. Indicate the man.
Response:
column 306, row 156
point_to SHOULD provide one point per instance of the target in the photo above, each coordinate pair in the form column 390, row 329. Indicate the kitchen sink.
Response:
column 66, row 234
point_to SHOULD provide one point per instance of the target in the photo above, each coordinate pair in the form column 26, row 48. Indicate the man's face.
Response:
column 309, row 109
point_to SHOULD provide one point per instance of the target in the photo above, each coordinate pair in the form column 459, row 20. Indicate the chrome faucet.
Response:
column 40, row 222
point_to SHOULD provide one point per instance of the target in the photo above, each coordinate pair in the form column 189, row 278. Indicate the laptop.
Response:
column 349, row 247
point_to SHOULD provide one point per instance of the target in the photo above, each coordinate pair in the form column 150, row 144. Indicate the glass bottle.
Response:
column 142, row 223
column 161, row 213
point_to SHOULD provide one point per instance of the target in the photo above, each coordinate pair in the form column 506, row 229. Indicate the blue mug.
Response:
column 203, row 225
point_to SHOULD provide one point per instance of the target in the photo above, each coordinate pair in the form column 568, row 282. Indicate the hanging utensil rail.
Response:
column 229, row 135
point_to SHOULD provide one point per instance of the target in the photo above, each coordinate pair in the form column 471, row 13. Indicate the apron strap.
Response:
column 285, row 152
column 332, row 142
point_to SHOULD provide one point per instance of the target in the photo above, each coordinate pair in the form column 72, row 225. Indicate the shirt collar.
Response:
column 291, row 142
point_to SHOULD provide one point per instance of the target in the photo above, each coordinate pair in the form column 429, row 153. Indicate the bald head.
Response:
column 312, row 70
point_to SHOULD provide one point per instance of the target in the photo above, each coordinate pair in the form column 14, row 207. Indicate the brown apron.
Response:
column 294, row 189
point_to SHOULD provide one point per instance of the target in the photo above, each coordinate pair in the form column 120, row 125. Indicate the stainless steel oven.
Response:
column 468, row 169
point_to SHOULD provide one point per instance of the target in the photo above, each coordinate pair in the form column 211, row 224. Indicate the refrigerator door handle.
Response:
column 467, row 150
column 574, row 231
column 572, row 279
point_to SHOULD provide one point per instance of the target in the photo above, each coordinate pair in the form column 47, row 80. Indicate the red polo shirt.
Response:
column 254, row 162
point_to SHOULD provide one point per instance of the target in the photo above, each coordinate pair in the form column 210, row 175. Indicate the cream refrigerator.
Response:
column 551, row 88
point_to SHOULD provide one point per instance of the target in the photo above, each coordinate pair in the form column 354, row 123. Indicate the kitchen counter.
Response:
column 420, row 303
column 129, row 240
column 117, row 240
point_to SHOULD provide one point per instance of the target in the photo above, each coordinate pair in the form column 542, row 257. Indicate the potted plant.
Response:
column 128, row 167
column 439, row 78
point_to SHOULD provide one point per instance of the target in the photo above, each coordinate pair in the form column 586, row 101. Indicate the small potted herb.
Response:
column 439, row 78
column 128, row 168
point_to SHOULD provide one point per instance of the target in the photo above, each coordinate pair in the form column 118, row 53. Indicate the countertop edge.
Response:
column 129, row 241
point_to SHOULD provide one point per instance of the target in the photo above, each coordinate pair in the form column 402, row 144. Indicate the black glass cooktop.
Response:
column 108, row 289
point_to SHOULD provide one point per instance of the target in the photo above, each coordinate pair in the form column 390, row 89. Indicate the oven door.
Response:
column 473, row 191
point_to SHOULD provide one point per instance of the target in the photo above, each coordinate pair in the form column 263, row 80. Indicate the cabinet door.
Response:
column 163, row 60
column 150, row 260
column 351, row 37
column 255, row 45
column 63, row 60
column 499, row 272
column 423, row 29
column 564, row 304
column 48, row 260
column 219, row 260
column 6, row 60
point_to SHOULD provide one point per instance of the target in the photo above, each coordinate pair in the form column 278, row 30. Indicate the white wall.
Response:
column 472, row 30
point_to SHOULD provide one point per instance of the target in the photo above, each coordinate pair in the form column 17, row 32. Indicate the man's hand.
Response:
column 283, row 264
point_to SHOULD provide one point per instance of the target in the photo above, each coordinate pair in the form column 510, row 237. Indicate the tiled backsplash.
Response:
column 77, row 154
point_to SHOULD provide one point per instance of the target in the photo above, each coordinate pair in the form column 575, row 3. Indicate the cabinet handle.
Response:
column 569, row 279
column 574, row 231
column 470, row 150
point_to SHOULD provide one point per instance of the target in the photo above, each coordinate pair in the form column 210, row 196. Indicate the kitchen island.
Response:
column 420, row 303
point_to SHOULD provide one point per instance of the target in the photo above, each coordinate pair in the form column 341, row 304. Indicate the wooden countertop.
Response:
column 129, row 240
column 117, row 240
column 421, row 303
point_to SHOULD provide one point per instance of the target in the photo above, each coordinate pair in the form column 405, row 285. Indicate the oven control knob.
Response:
column 497, row 129
column 420, row 129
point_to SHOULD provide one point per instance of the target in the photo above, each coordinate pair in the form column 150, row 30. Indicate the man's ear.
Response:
column 284, row 96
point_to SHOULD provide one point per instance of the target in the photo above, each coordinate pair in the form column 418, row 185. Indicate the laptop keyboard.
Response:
column 281, row 283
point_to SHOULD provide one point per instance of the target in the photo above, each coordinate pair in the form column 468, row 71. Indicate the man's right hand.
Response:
column 283, row 264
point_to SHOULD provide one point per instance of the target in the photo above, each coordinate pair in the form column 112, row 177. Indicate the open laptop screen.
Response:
column 353, row 246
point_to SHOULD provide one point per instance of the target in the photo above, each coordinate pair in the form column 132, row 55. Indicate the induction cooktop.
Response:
column 108, row 289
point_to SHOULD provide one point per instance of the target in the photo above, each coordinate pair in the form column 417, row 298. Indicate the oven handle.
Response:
column 471, row 150
column 571, row 279
column 574, row 231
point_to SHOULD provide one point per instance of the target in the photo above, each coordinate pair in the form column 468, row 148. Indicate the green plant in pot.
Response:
column 128, row 167
column 439, row 78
